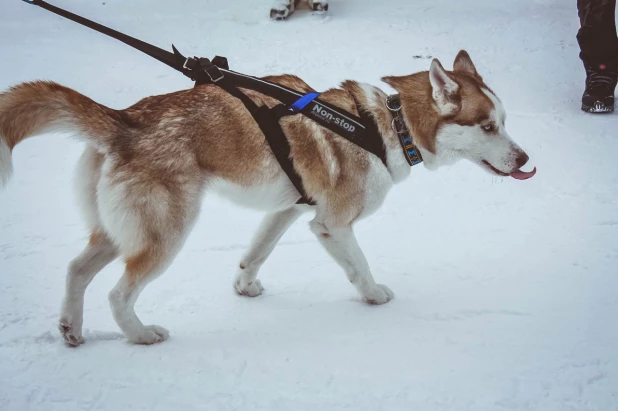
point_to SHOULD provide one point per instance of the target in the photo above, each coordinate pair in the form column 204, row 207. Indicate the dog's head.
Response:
column 454, row 115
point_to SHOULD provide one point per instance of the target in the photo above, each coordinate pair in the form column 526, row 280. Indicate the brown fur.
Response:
column 420, row 110
column 27, row 109
column 95, row 238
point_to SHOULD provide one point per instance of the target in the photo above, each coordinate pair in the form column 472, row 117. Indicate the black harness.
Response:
column 361, row 131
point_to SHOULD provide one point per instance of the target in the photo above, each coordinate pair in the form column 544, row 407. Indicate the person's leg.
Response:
column 597, row 37
column 598, row 44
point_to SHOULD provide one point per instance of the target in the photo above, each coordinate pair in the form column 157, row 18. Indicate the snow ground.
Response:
column 506, row 291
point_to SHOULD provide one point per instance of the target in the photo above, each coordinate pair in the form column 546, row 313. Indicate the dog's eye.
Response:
column 488, row 128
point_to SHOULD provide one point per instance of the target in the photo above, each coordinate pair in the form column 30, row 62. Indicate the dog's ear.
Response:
column 463, row 63
column 395, row 82
column 445, row 91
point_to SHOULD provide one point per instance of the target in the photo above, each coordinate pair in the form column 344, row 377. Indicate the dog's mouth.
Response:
column 494, row 169
column 517, row 174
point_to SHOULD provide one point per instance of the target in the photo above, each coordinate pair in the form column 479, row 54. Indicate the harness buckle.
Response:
column 190, row 63
column 214, row 73
column 210, row 69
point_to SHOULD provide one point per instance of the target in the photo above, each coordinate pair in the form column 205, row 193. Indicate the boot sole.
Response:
column 598, row 109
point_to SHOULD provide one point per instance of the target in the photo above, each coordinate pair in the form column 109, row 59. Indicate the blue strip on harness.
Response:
column 302, row 102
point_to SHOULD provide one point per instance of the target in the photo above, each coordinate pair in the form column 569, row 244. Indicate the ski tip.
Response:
column 29, row 1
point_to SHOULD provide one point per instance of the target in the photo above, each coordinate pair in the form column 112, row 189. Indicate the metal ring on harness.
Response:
column 398, row 126
column 388, row 106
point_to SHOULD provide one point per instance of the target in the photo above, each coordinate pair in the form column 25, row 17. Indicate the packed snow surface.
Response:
column 506, row 291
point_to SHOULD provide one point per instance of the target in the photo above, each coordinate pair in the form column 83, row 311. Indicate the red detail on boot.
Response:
column 602, row 67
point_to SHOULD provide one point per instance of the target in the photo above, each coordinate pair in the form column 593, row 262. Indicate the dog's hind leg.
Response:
column 140, row 269
column 150, row 222
column 341, row 244
column 270, row 231
column 158, row 249
column 99, row 252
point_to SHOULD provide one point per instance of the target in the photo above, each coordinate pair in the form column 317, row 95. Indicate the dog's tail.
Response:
column 34, row 108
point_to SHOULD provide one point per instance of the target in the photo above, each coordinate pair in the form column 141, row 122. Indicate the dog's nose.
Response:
column 522, row 159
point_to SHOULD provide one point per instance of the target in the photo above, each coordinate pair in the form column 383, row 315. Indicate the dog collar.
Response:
column 410, row 151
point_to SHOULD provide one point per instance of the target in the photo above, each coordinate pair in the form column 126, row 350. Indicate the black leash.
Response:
column 361, row 131
column 175, row 61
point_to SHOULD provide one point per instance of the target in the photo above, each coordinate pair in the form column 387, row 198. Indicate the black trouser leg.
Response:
column 597, row 36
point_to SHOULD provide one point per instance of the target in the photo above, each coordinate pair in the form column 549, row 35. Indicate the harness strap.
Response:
column 375, row 146
column 302, row 102
column 268, row 120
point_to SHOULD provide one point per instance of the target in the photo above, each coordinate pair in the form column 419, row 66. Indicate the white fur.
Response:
column 396, row 163
column 442, row 88
column 454, row 142
column 6, row 162
column 500, row 113
column 85, row 188
column 116, row 214
column 124, row 200
column 264, row 241
column 325, row 151
column 122, row 300
column 279, row 195
column 80, row 273
column 123, row 296
column 378, row 182
column 341, row 244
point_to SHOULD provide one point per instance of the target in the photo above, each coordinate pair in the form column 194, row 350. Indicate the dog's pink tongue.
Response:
column 523, row 175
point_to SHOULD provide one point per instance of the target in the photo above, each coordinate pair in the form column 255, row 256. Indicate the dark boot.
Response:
column 600, row 86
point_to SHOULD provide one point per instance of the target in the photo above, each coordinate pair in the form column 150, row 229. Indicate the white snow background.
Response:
column 506, row 291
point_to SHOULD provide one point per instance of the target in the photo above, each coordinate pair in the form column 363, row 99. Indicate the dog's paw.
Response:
column 150, row 334
column 379, row 295
column 281, row 9
column 248, row 289
column 71, row 337
column 319, row 6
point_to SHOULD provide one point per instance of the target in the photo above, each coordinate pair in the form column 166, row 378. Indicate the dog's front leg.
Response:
column 270, row 231
column 341, row 244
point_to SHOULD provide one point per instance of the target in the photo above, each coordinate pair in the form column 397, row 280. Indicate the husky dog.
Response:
column 281, row 9
column 145, row 169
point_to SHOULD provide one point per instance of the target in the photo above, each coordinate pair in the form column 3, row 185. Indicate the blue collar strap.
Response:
column 410, row 151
